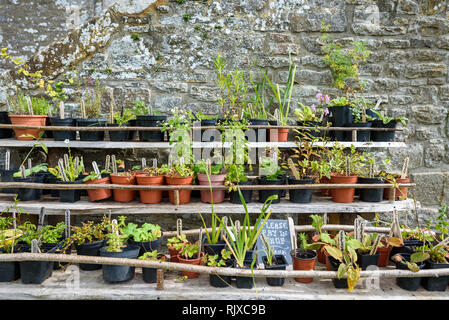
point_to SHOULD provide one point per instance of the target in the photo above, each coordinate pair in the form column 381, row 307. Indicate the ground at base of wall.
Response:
column 60, row 286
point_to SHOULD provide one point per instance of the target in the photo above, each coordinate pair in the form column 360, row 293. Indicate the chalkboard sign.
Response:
column 277, row 233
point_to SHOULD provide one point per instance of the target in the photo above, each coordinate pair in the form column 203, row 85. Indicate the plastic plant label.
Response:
column 179, row 227
column 67, row 222
column 40, row 220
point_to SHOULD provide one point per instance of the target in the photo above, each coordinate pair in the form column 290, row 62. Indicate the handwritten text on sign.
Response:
column 277, row 233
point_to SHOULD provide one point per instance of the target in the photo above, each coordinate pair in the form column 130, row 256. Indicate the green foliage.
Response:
column 190, row 250
column 275, row 169
column 20, row 106
column 147, row 232
column 140, row 108
column 93, row 176
column 29, row 172
column 213, row 261
column 88, row 232
column 177, row 242
column 256, row 108
column 187, row 17
column 72, row 170
column 135, row 36
column 93, row 99
column 122, row 119
column 386, row 120
column 306, row 113
column 28, row 232
column 152, row 256
column 52, row 234
column 201, row 167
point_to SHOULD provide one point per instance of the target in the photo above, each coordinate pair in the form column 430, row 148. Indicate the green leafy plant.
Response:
column 386, row 120
column 52, row 234
column 93, row 98
column 31, row 171
column 72, row 168
column 29, row 232
column 216, row 260
column 275, row 169
column 177, row 242
column 19, row 104
column 190, row 251
column 147, row 232
column 201, row 167
column 87, row 232
column 140, row 108
column 415, row 258
column 123, row 118
column 152, row 256
column 257, row 108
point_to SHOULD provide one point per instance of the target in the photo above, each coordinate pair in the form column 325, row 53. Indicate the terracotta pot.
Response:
column 216, row 180
column 123, row 195
column 343, row 195
column 150, row 196
column 384, row 255
column 196, row 261
column 304, row 260
column 282, row 135
column 325, row 192
column 328, row 264
column 36, row 120
column 173, row 254
column 99, row 194
column 400, row 193
column 184, row 195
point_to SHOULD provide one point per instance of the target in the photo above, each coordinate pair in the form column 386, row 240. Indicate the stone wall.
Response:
column 163, row 51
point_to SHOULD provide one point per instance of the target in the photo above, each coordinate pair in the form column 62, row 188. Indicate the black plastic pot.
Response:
column 300, row 195
column 312, row 133
column 117, row 273
column 244, row 282
column 340, row 116
column 213, row 249
column 118, row 135
column 36, row 272
column 9, row 271
column 149, row 275
column 362, row 135
column 338, row 283
column 264, row 194
column 409, row 284
column 91, row 135
column 208, row 123
column 53, row 192
column 29, row 194
column 435, row 283
column 59, row 246
column 89, row 249
column 6, row 176
column 48, row 133
column 221, row 281
column 281, row 264
column 62, row 135
column 383, row 136
column 4, row 119
column 370, row 195
column 147, row 246
column 151, row 121
column 72, row 195
column 260, row 132
column 47, row 178
column 132, row 133
column 249, row 256
column 234, row 196
column 365, row 260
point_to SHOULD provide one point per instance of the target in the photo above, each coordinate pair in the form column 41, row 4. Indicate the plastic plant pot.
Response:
column 244, row 282
column 383, row 136
column 63, row 135
column 91, row 249
column 365, row 260
column 29, row 120
column 99, row 194
column 147, row 246
column 213, row 249
column 6, row 176
column 116, row 273
column 208, row 136
column 150, row 196
column 300, row 195
column 91, row 135
column 195, row 261
column 72, row 195
column 384, row 255
column 343, row 195
column 340, row 116
column 4, row 119
column 370, row 195
column 412, row 283
column 304, row 260
column 281, row 264
column 400, row 192
column 9, row 271
column 29, row 194
column 435, row 283
column 261, row 134
column 36, row 272
column 150, row 121
column 173, row 254
column 362, row 135
column 310, row 133
column 338, row 283
column 265, row 194
column 234, row 196
column 149, row 275
column 215, row 180
column 118, row 135
column 123, row 195
column 184, row 195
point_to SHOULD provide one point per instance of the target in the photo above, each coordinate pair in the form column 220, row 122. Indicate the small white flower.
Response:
column 66, row 141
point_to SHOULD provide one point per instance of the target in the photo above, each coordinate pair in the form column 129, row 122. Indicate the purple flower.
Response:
column 319, row 96
column 313, row 107
column 326, row 111
column 326, row 98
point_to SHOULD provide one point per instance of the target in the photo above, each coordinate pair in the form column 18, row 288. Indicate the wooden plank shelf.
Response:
column 106, row 144
column 318, row 205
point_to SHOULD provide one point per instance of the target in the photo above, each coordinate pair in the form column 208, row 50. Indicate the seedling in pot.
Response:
column 415, row 258
column 153, row 256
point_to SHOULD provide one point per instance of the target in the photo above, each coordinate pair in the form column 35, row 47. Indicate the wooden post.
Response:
column 176, row 197
column 160, row 279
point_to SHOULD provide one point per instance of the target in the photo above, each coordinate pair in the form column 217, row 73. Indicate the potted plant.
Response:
column 273, row 261
column 212, row 242
column 88, row 239
column 148, row 237
column 28, row 111
column 223, row 259
column 303, row 170
column 122, row 120
column 304, row 258
column 369, row 175
column 9, row 271
column 317, row 224
column 385, row 122
column 122, row 178
column 96, row 178
column 241, row 241
column 206, row 120
column 367, row 253
column 30, row 175
column 438, row 259
column 361, row 119
column 283, row 98
column 340, row 114
column 322, row 166
column 212, row 175
column 190, row 254
column 345, row 168
column 413, row 262
column 271, row 174
column 149, row 275
column 180, row 174
column 235, row 176
column 63, row 121
column 90, row 105
column 151, row 176
column 116, row 248
column 312, row 116
column 146, row 117
column 175, row 245
column 53, row 237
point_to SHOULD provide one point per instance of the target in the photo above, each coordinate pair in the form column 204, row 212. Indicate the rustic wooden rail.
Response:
column 32, row 185
column 257, row 273
column 135, row 128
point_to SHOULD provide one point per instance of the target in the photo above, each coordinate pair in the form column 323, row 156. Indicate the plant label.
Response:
column 108, row 163
column 67, row 222
column 200, row 241
column 179, row 227
column 35, row 246
column 278, row 235
column 7, row 159
column 40, row 220
column 154, row 163
column 144, row 163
